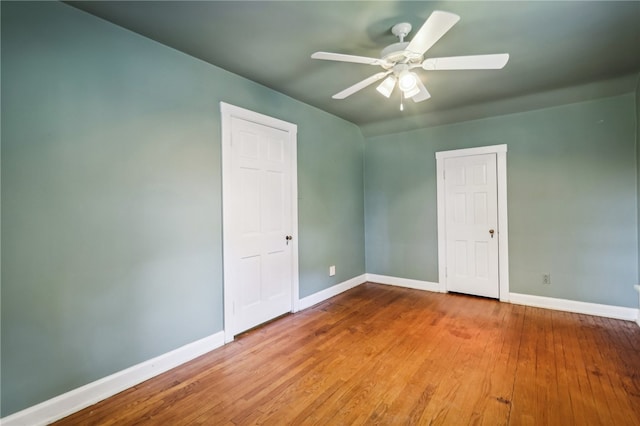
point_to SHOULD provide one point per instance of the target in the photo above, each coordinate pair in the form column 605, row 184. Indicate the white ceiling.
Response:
column 552, row 46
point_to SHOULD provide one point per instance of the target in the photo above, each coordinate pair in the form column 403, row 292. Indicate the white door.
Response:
column 258, row 225
column 472, row 225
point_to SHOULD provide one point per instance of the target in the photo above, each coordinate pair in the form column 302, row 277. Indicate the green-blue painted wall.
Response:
column 638, row 163
column 111, row 198
column 572, row 199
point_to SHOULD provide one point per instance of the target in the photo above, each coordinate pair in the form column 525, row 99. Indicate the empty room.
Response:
column 320, row 212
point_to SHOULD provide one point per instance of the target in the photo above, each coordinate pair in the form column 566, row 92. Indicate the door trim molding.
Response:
column 227, row 112
column 503, row 233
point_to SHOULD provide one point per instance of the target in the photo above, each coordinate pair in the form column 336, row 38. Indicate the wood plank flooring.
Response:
column 386, row 355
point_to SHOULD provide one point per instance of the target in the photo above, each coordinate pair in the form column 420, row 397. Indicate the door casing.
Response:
column 503, row 234
column 228, row 112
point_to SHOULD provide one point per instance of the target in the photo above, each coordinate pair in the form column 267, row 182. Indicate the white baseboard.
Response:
column 91, row 393
column 616, row 312
column 637, row 287
column 321, row 296
column 609, row 311
column 404, row 282
column 84, row 396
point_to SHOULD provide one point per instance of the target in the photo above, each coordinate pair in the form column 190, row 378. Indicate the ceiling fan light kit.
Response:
column 386, row 87
column 407, row 82
column 398, row 59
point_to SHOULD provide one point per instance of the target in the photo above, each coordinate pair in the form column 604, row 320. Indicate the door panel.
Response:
column 471, row 212
column 261, row 260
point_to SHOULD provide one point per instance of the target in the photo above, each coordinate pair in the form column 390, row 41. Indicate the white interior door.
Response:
column 472, row 225
column 258, row 224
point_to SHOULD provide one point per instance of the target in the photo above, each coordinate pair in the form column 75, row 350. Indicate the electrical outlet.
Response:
column 332, row 270
column 546, row 279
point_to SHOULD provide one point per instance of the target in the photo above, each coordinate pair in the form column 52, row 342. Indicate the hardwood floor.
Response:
column 385, row 355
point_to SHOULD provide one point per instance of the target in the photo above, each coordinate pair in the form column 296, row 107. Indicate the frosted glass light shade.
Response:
column 412, row 92
column 386, row 87
column 407, row 82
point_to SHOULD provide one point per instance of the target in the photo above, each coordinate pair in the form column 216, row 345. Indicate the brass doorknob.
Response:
column 491, row 231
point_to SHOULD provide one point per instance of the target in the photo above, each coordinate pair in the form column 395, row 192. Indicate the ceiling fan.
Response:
column 399, row 59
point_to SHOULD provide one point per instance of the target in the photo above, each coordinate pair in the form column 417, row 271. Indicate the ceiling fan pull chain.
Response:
column 401, row 105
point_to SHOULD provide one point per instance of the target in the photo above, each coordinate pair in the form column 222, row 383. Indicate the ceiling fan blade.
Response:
column 474, row 62
column 327, row 56
column 423, row 94
column 434, row 27
column 361, row 85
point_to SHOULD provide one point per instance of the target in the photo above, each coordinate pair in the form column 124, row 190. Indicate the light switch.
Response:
column 332, row 270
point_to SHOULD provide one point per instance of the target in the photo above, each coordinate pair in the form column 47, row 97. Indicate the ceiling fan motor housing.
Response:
column 397, row 52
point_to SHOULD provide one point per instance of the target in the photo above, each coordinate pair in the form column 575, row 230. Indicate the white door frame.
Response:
column 228, row 112
column 503, row 234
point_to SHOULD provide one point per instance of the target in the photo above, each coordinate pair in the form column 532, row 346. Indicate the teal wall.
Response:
column 111, row 198
column 571, row 173
column 638, row 165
